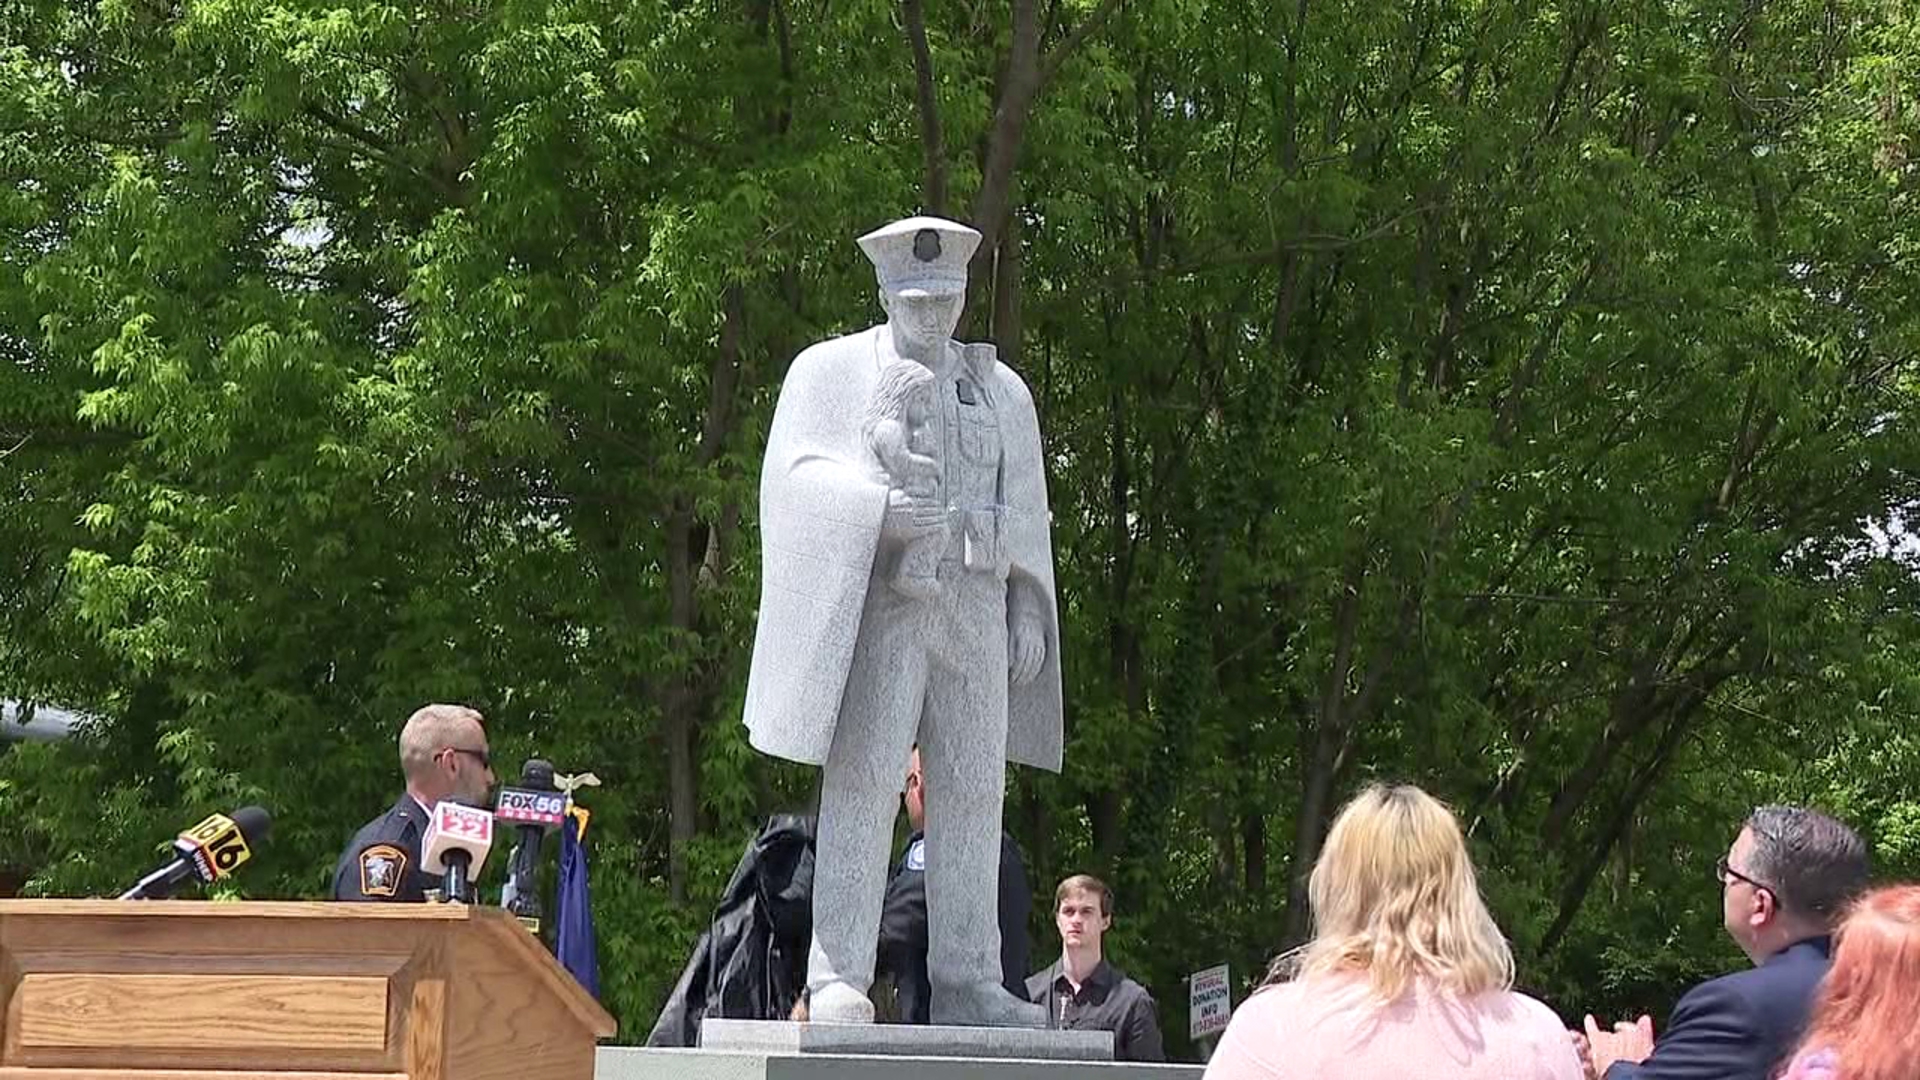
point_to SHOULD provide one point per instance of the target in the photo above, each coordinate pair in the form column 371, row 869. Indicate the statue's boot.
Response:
column 984, row 1005
column 840, row 1003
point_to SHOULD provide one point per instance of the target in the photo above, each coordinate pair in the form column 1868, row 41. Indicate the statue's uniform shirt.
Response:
column 382, row 861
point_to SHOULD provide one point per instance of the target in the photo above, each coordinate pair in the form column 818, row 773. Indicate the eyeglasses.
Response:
column 483, row 757
column 1728, row 875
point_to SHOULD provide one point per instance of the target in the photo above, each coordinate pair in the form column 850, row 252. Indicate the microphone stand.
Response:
column 456, row 882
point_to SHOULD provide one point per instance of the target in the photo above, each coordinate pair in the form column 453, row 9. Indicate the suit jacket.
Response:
column 820, row 519
column 1739, row 1026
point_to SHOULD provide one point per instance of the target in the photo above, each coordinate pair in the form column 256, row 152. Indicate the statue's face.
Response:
column 922, row 323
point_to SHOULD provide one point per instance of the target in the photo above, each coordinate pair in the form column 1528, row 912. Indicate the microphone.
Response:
column 535, row 806
column 210, row 851
column 456, row 843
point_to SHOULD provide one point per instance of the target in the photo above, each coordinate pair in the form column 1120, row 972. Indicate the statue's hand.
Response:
column 1026, row 649
column 910, row 517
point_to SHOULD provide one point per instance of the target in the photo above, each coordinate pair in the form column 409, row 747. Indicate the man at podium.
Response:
column 443, row 755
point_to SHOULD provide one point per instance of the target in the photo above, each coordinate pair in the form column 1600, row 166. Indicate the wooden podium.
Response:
column 164, row 990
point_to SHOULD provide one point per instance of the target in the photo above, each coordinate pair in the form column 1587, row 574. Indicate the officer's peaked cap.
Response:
column 925, row 255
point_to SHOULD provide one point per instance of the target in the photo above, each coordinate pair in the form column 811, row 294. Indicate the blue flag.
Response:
column 573, row 933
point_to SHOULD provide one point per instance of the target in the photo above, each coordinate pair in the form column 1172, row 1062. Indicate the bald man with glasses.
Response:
column 444, row 756
column 1788, row 877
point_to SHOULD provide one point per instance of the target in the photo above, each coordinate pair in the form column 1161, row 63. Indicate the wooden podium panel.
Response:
column 161, row 990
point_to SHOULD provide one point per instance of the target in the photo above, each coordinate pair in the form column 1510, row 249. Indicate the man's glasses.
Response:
column 483, row 757
column 1728, row 875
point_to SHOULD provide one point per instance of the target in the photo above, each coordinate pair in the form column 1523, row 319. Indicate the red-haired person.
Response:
column 1863, row 1025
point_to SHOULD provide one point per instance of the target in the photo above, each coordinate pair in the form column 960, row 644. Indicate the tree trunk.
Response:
column 686, row 694
column 679, row 706
column 1253, row 844
column 933, row 149
column 1006, row 296
column 1310, row 829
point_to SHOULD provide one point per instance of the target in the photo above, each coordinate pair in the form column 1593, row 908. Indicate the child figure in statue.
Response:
column 898, row 430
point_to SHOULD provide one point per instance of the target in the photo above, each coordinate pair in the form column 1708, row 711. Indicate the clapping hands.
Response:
column 1598, row 1049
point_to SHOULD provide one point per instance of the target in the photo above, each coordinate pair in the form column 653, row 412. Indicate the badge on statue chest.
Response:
column 964, row 390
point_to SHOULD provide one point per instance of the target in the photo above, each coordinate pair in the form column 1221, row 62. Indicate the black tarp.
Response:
column 751, row 964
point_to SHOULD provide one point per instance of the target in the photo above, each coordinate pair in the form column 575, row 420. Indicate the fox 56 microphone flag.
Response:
column 573, row 934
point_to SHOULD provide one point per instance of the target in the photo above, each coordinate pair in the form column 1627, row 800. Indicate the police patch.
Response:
column 926, row 245
column 381, row 867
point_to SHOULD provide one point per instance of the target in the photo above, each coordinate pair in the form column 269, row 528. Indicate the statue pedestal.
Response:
column 780, row 1050
column 651, row 1063
column 783, row 1037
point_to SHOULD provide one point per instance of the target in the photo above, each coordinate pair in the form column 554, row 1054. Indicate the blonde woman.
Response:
column 1406, row 976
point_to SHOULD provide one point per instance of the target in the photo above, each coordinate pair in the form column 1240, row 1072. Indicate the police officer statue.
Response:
column 443, row 754
column 850, row 669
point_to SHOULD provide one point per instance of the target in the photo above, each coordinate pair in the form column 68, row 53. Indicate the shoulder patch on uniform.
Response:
column 917, row 855
column 381, row 868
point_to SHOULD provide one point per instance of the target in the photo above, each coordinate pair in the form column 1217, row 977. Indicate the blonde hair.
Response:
column 1394, row 896
column 431, row 729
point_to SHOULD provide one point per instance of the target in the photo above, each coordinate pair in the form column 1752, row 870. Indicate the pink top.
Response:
column 1332, row 1027
column 1819, row 1064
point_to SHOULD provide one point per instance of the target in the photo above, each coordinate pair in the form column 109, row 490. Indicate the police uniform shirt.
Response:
column 1106, row 1001
column 382, row 861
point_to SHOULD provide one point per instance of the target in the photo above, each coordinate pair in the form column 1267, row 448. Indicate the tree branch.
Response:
column 1300, row 242
column 932, row 143
column 372, row 145
column 1059, row 54
column 1018, row 86
column 1574, row 893
column 1542, row 598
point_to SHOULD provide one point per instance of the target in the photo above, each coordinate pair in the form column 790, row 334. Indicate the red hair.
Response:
column 1864, row 1013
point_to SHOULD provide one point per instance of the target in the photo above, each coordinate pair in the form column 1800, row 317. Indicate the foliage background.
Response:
column 1519, row 399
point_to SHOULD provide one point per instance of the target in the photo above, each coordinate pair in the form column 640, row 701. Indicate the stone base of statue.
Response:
column 905, row 1040
column 779, row 1050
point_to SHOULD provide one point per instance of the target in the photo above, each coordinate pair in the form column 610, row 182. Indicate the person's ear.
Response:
column 1766, row 907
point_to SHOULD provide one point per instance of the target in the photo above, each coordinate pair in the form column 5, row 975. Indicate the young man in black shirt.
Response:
column 1081, row 990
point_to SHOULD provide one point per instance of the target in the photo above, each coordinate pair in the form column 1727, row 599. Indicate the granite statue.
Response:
column 907, row 598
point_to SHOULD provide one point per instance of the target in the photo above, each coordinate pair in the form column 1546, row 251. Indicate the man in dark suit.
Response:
column 1785, row 882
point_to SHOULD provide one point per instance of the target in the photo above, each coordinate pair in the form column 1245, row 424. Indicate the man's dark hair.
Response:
column 1813, row 864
